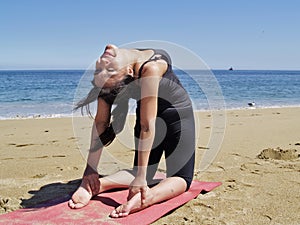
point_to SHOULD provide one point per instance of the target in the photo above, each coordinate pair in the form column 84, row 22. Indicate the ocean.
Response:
column 51, row 93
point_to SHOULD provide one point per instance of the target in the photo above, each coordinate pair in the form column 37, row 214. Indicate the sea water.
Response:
column 51, row 93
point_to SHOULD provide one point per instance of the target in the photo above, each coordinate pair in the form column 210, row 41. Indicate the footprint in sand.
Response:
column 21, row 145
column 203, row 147
column 40, row 175
column 42, row 157
column 252, row 167
column 231, row 185
column 59, row 156
column 72, row 138
column 279, row 154
column 7, row 158
column 9, row 204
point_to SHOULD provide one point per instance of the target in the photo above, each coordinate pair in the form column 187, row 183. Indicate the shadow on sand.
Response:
column 51, row 194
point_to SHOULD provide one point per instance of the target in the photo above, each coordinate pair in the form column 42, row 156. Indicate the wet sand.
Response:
column 258, row 164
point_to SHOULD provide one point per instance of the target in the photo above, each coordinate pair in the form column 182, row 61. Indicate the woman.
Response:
column 164, row 123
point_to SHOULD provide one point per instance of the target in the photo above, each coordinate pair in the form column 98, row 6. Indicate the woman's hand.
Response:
column 139, row 184
column 90, row 181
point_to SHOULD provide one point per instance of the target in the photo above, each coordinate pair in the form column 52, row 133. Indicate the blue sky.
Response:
column 71, row 34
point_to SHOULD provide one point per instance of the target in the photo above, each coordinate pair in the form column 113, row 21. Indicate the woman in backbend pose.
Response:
column 164, row 123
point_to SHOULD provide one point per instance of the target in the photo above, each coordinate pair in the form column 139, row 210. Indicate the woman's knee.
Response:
column 186, row 180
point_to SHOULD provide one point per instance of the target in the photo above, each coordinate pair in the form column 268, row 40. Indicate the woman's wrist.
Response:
column 89, row 170
column 142, row 172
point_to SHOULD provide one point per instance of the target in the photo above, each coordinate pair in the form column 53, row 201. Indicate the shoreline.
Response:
column 60, row 115
column 40, row 160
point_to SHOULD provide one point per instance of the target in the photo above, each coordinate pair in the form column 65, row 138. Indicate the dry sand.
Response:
column 40, row 160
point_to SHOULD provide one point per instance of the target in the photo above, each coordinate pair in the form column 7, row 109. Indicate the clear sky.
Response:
column 244, row 34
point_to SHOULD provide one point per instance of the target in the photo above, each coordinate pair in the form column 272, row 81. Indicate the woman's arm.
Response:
column 151, row 76
column 101, row 122
column 148, row 111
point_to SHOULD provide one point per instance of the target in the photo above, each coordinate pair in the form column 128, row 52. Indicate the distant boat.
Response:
column 230, row 68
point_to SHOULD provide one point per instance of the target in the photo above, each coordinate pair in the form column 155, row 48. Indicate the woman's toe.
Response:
column 120, row 211
column 71, row 204
column 114, row 214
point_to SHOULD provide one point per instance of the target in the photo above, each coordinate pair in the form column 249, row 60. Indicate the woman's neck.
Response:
column 137, row 58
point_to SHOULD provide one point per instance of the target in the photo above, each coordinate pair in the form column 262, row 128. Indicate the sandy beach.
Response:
column 40, row 160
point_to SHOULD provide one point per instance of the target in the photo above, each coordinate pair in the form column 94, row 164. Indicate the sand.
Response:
column 258, row 164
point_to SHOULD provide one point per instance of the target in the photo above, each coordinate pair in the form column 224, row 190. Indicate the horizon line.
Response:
column 36, row 69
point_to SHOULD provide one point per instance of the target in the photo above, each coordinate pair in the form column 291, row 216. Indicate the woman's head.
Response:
column 113, row 72
column 112, row 67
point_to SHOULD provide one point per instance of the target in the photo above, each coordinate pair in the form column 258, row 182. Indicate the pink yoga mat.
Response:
column 97, row 211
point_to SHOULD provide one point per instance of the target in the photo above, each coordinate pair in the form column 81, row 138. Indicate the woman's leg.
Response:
column 166, row 189
column 82, row 196
column 179, row 145
column 180, row 155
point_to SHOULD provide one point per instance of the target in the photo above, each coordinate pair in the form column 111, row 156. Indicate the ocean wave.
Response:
column 71, row 115
column 36, row 116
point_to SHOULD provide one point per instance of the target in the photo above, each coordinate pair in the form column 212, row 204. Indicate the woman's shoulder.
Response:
column 152, row 68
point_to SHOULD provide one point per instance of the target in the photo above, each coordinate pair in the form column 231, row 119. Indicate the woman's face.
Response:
column 111, row 67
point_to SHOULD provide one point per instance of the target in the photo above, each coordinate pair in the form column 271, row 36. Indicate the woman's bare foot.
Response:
column 133, row 205
column 90, row 186
column 80, row 198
